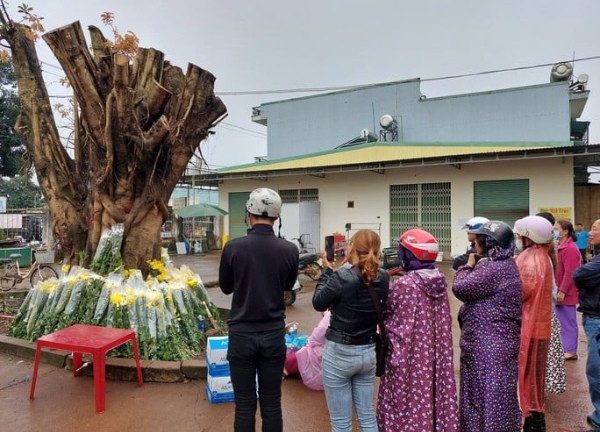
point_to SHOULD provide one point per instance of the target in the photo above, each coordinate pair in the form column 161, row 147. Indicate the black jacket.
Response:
column 352, row 310
column 587, row 280
column 462, row 259
column 257, row 269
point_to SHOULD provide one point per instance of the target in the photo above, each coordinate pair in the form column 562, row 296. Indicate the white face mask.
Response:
column 519, row 244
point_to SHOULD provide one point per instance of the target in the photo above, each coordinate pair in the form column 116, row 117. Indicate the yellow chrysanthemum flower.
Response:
column 117, row 298
column 192, row 283
column 48, row 285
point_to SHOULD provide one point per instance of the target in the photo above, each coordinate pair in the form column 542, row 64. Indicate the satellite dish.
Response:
column 583, row 78
column 561, row 72
column 365, row 133
column 386, row 121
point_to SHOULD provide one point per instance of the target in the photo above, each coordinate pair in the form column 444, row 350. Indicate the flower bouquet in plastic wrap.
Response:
column 163, row 308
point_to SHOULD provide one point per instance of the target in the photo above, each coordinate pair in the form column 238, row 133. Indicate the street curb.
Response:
column 121, row 369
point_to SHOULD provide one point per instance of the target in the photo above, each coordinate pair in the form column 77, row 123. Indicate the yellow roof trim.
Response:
column 376, row 153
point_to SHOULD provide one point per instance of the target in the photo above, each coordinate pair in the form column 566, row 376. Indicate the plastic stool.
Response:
column 88, row 339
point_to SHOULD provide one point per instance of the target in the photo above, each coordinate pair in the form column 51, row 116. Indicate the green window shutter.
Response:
column 237, row 214
column 504, row 200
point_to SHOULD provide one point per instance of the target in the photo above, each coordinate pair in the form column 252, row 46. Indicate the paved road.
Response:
column 67, row 403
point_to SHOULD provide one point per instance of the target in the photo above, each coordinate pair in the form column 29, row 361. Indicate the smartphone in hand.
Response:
column 329, row 248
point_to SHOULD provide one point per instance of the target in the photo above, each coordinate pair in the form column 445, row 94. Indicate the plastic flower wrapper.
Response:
column 49, row 285
column 165, row 258
column 118, row 313
column 113, row 280
column 18, row 326
column 84, row 299
column 153, row 299
column 171, row 309
column 67, row 282
column 177, row 293
column 135, row 289
column 46, row 320
column 194, row 282
column 82, row 278
column 108, row 253
column 37, row 305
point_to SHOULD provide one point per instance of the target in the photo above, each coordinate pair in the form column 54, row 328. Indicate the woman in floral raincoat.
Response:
column 489, row 285
column 418, row 390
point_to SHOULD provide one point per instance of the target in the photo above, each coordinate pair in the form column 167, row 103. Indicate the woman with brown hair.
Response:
column 349, row 355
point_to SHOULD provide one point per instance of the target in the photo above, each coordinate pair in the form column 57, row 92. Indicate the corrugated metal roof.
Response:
column 387, row 151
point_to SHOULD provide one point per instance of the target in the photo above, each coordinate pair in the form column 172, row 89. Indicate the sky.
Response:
column 271, row 45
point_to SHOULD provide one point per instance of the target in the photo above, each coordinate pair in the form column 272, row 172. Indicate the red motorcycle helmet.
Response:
column 422, row 244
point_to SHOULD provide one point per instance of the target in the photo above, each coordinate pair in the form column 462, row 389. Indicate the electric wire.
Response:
column 441, row 78
column 349, row 87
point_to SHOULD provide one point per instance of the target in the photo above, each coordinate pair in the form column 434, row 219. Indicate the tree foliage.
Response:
column 11, row 147
column 22, row 193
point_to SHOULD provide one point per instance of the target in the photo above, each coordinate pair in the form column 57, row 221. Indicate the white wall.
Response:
column 550, row 182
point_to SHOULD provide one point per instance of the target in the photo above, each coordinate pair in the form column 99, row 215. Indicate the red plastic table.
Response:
column 94, row 340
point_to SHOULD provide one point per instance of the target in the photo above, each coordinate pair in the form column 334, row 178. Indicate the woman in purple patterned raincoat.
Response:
column 417, row 393
column 490, row 320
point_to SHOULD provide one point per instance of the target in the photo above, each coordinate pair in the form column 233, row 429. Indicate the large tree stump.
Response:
column 139, row 122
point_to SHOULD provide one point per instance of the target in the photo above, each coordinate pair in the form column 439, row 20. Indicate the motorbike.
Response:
column 289, row 297
column 309, row 264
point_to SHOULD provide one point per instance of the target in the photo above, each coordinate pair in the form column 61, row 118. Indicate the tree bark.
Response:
column 139, row 122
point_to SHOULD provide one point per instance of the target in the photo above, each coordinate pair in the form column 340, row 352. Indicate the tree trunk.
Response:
column 138, row 124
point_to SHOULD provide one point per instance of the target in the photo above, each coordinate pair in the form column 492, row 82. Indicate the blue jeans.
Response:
column 591, row 325
column 257, row 355
column 349, row 377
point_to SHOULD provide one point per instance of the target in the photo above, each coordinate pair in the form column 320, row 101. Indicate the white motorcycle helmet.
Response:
column 264, row 202
column 536, row 228
column 475, row 222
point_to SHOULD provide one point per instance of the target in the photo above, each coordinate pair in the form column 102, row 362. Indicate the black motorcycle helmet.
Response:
column 498, row 230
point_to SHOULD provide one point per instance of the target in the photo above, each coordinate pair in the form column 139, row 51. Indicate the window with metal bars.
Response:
column 426, row 206
column 298, row 195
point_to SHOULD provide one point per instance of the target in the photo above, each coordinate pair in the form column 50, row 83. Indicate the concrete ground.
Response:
column 64, row 402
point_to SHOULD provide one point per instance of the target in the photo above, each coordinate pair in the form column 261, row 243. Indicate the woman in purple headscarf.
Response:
column 418, row 390
column 489, row 285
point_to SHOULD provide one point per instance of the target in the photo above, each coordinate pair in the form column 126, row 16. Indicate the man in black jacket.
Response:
column 587, row 280
column 472, row 224
column 257, row 269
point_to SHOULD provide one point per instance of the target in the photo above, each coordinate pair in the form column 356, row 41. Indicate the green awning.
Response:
column 200, row 210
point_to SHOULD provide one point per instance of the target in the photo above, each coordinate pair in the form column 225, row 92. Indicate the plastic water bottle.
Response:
column 201, row 323
column 293, row 330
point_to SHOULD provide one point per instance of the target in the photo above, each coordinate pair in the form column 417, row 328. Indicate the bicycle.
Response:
column 11, row 274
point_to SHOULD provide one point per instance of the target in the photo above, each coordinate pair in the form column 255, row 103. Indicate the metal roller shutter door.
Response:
column 505, row 200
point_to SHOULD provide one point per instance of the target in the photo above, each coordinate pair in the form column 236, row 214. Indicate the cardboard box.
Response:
column 216, row 355
column 219, row 389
